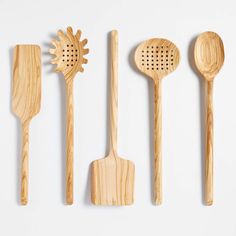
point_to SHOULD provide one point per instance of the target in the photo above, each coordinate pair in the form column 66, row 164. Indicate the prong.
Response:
column 61, row 35
column 52, row 51
column 80, row 68
column 85, row 51
column 54, row 42
column 84, row 60
column 69, row 30
column 78, row 34
column 84, row 42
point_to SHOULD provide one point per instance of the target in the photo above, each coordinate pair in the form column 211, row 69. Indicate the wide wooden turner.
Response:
column 112, row 177
column 26, row 100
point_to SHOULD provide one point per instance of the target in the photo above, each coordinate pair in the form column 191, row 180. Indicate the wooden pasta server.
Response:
column 69, row 54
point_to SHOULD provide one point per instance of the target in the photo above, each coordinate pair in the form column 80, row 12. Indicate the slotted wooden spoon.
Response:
column 69, row 52
column 26, row 99
column 156, row 58
column 112, row 177
column 209, row 58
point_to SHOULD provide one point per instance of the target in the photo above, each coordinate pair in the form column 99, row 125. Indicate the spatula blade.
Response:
column 26, row 81
column 112, row 181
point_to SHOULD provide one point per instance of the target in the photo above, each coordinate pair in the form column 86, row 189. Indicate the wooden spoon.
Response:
column 112, row 177
column 209, row 58
column 156, row 58
column 69, row 58
column 26, row 100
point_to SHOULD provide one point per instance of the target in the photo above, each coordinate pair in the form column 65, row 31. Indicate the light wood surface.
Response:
column 113, row 177
column 209, row 58
column 156, row 58
column 69, row 54
column 26, row 99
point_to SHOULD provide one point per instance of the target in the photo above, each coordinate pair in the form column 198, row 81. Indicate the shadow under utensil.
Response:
column 18, row 131
column 150, row 105
column 202, row 112
column 62, row 88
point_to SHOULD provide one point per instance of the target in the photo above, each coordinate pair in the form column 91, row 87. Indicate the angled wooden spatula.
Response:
column 26, row 99
column 113, row 177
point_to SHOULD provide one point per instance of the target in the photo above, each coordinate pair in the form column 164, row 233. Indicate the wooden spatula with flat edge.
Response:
column 113, row 177
column 26, row 99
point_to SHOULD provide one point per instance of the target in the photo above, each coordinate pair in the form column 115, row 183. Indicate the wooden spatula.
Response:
column 26, row 99
column 112, row 177
column 209, row 58
column 69, row 52
column 156, row 58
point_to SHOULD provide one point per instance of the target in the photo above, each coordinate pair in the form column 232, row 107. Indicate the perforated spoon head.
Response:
column 209, row 54
column 156, row 58
column 69, row 52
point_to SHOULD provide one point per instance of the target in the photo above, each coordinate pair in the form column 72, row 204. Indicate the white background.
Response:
column 183, row 212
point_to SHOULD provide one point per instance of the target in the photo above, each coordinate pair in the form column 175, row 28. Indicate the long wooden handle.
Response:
column 209, row 145
column 69, row 142
column 157, row 143
column 114, row 91
column 25, row 163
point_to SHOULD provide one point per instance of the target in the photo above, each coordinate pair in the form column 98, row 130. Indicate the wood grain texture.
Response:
column 69, row 54
column 156, row 58
column 69, row 141
column 112, row 178
column 209, row 145
column 157, row 143
column 26, row 100
column 209, row 58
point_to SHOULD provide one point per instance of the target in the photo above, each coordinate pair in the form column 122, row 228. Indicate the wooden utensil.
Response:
column 209, row 58
column 69, row 52
column 112, row 177
column 26, row 100
column 156, row 58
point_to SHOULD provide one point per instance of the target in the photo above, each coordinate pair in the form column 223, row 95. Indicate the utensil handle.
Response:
column 209, row 145
column 25, row 163
column 157, row 143
column 114, row 92
column 69, row 141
